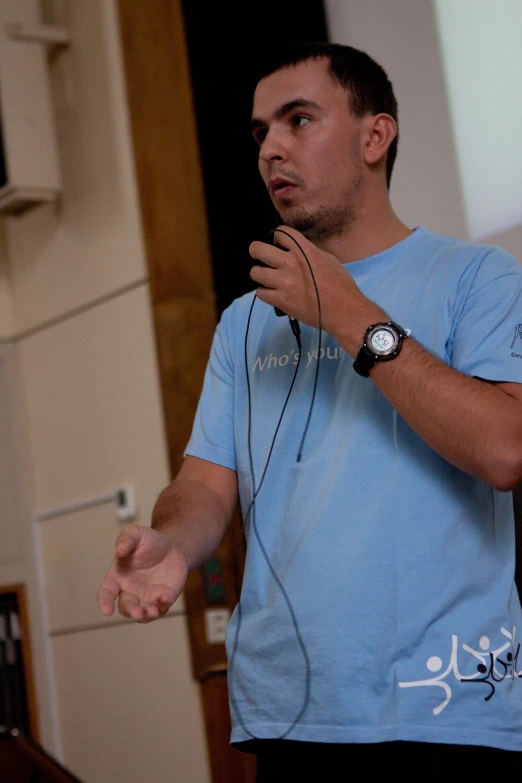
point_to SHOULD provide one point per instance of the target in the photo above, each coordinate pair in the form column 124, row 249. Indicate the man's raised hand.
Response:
column 286, row 280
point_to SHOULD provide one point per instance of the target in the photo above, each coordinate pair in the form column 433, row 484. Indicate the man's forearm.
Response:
column 474, row 425
column 193, row 516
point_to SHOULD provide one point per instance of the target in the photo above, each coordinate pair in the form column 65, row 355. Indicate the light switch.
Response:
column 216, row 621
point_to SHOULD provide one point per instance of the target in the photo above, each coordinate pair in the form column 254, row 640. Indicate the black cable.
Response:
column 320, row 319
column 255, row 492
column 251, row 512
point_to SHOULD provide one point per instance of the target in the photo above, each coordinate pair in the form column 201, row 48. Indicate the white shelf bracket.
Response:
column 123, row 497
column 49, row 35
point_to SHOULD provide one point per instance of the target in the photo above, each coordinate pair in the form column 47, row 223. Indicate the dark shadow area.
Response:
column 225, row 45
column 517, row 503
column 14, row 702
column 23, row 761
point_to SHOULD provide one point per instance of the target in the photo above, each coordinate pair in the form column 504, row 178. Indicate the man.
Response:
column 378, row 605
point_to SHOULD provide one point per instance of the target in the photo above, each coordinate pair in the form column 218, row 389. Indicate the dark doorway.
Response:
column 225, row 45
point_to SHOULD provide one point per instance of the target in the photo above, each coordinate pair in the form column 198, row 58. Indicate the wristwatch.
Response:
column 382, row 342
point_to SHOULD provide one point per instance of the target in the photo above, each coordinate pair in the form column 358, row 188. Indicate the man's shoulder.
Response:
column 468, row 248
column 237, row 308
column 476, row 257
column 235, row 318
column 240, row 303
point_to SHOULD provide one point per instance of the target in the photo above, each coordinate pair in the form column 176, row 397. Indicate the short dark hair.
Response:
column 366, row 82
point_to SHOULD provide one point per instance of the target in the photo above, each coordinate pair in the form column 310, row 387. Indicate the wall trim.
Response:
column 91, row 305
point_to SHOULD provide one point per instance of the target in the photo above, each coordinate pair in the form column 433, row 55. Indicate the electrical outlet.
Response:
column 216, row 621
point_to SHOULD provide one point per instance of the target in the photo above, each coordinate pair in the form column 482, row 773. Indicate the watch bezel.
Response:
column 391, row 329
column 368, row 356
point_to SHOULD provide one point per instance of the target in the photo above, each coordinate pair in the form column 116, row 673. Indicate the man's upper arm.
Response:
column 486, row 335
column 222, row 480
column 212, row 437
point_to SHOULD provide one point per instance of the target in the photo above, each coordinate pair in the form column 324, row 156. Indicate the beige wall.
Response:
column 6, row 298
column 116, row 700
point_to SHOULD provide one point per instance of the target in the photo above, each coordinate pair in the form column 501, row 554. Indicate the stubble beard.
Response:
column 326, row 221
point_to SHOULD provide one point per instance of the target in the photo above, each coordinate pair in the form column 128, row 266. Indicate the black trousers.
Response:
column 285, row 761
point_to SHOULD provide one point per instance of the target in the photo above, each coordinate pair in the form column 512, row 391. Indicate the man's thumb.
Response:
column 127, row 542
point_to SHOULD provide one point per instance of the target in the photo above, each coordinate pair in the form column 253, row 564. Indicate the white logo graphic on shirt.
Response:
column 490, row 669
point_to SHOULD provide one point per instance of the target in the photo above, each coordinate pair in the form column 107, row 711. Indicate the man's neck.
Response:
column 372, row 232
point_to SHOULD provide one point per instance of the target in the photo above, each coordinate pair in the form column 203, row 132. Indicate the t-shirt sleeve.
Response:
column 487, row 339
column 212, row 435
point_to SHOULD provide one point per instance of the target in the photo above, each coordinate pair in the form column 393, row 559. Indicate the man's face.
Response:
column 310, row 153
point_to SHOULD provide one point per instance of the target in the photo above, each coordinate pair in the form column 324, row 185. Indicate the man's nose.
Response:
column 273, row 147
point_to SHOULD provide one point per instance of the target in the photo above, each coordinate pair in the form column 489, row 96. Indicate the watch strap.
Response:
column 364, row 362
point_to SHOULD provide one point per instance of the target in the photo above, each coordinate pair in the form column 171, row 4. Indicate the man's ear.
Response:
column 381, row 129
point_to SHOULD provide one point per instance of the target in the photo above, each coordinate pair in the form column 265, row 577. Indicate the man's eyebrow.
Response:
column 286, row 108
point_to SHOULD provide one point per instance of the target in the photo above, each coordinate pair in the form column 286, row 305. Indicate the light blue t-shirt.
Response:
column 397, row 567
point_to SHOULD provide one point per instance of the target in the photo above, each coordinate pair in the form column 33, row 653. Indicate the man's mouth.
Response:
column 281, row 186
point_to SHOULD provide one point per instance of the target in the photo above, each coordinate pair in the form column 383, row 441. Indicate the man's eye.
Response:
column 260, row 136
column 299, row 120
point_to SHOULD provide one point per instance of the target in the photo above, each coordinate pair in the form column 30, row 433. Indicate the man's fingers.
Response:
column 264, row 276
column 129, row 606
column 163, row 604
column 289, row 238
column 107, row 594
column 268, row 254
column 142, row 611
column 152, row 612
column 106, row 604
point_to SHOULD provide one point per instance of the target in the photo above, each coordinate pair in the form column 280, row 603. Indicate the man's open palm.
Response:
column 146, row 575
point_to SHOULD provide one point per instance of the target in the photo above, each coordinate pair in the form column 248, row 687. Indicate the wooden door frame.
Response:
column 177, row 248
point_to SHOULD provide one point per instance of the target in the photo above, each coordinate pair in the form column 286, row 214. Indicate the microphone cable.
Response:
column 320, row 319
column 251, row 515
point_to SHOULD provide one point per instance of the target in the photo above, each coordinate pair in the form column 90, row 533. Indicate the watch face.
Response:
column 383, row 340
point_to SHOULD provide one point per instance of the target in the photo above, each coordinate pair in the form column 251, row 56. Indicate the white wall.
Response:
column 403, row 36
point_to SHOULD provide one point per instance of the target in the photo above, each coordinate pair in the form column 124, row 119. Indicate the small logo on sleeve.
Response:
column 517, row 342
